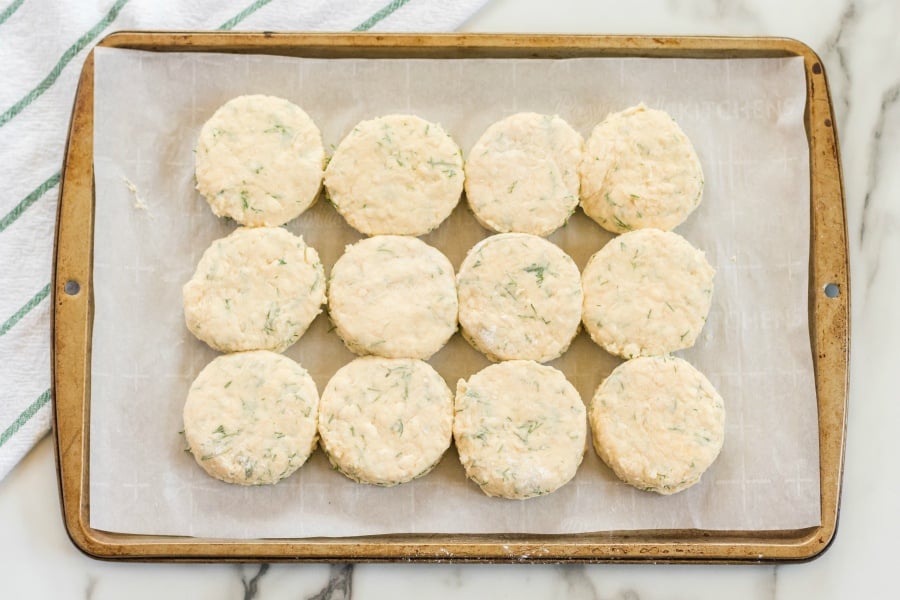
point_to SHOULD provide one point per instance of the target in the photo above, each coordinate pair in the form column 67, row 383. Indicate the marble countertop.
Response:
column 859, row 46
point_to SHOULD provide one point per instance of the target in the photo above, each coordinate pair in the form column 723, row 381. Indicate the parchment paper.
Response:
column 745, row 118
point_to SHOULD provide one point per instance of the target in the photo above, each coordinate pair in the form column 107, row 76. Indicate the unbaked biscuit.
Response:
column 259, row 161
column 397, row 174
column 639, row 170
column 256, row 289
column 519, row 298
column 393, row 296
column 522, row 174
column 520, row 429
column 385, row 421
column 250, row 417
column 646, row 292
column 658, row 423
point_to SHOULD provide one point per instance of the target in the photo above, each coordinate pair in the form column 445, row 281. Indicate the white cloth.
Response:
column 43, row 44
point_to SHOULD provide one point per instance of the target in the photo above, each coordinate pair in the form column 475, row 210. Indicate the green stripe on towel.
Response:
column 28, row 200
column 66, row 58
column 24, row 417
column 382, row 14
column 230, row 23
column 9, row 10
column 26, row 308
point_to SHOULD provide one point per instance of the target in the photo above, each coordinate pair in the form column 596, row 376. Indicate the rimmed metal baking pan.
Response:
column 829, row 319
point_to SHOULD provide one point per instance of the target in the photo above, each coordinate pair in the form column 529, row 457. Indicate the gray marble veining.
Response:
column 835, row 54
column 874, row 224
column 339, row 586
column 251, row 583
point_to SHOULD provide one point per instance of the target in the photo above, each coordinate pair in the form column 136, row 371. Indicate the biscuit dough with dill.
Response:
column 385, row 421
column 259, row 161
column 658, row 423
column 393, row 296
column 646, row 292
column 522, row 174
column 397, row 174
column 250, row 417
column 256, row 289
column 520, row 429
column 519, row 298
column 640, row 170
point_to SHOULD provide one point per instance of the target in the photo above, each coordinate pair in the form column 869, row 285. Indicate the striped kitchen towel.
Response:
column 43, row 44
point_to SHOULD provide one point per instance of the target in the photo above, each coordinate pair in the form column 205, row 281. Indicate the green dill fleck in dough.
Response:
column 538, row 271
column 269, row 326
column 528, row 438
column 620, row 224
column 376, row 401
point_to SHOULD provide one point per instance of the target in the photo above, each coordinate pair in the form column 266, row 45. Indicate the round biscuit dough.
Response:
column 397, row 174
column 520, row 429
column 640, row 170
column 250, row 417
column 658, row 423
column 385, row 421
column 393, row 296
column 522, row 174
column 259, row 161
column 519, row 298
column 256, row 289
column 646, row 292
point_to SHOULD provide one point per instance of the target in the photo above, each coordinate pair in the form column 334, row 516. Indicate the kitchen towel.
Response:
column 43, row 44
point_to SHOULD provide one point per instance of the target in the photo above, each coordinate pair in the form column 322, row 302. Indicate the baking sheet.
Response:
column 744, row 116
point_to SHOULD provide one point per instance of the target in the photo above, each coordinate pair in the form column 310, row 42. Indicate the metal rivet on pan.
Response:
column 832, row 290
column 72, row 288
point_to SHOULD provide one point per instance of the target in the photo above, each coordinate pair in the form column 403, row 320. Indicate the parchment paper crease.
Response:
column 745, row 118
